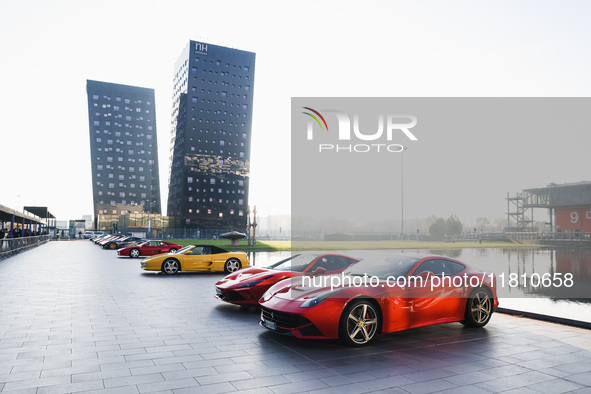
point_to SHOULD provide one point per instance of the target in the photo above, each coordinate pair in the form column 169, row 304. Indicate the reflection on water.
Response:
column 551, row 282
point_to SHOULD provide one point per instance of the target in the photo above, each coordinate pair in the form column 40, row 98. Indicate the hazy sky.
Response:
column 304, row 48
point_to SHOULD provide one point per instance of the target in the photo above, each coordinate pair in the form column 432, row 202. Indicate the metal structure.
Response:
column 569, row 206
column 517, row 210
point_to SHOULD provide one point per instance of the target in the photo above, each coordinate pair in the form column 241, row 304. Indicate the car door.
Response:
column 152, row 248
column 197, row 259
column 434, row 295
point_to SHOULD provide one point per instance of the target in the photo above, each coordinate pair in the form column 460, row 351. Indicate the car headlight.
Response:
column 317, row 300
column 251, row 284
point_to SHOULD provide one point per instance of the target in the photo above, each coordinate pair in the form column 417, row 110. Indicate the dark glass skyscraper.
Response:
column 123, row 148
column 210, row 137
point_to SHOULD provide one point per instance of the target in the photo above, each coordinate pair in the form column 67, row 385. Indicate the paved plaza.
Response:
column 76, row 318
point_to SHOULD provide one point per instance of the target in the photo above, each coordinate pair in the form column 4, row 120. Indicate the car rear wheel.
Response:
column 232, row 265
column 359, row 323
column 172, row 250
column 134, row 253
column 479, row 308
column 170, row 266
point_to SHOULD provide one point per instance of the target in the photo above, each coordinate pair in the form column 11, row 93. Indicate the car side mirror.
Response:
column 189, row 252
column 426, row 275
column 319, row 271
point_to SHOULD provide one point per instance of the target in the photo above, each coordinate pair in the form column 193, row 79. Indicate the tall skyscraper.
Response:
column 123, row 149
column 210, row 137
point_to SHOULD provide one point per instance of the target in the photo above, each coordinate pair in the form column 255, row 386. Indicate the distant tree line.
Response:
column 445, row 228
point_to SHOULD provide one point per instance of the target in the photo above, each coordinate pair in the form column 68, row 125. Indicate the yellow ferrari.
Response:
column 196, row 258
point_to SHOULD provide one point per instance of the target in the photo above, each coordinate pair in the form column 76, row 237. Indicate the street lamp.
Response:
column 402, row 192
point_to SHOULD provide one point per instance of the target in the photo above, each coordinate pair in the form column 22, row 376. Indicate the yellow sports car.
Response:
column 196, row 258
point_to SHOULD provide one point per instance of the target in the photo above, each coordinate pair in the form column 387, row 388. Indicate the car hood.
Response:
column 294, row 290
column 246, row 275
column 156, row 256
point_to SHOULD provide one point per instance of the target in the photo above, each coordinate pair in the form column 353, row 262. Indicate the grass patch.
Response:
column 272, row 246
column 261, row 246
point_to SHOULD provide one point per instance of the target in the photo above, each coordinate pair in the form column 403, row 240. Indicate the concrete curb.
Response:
column 552, row 319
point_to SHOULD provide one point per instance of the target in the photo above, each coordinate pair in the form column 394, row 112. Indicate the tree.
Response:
column 437, row 229
column 482, row 224
column 453, row 226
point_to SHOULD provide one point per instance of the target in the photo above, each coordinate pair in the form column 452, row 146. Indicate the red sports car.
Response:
column 383, row 296
column 247, row 285
column 149, row 248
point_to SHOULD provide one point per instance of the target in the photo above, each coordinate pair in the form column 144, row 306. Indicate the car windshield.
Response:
column 185, row 249
column 390, row 266
column 296, row 263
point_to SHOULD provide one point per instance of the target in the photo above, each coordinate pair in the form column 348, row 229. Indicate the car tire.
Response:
column 135, row 253
column 232, row 265
column 173, row 250
column 479, row 308
column 359, row 323
column 171, row 266
column 113, row 246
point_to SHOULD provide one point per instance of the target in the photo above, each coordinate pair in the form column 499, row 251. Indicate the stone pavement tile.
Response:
column 12, row 377
column 429, row 386
column 98, row 361
column 385, row 383
column 464, row 379
column 382, row 372
column 189, row 373
column 479, row 388
column 298, row 387
column 223, row 377
column 70, row 370
column 38, row 382
column 100, row 375
column 131, row 365
column 261, row 370
column 257, row 391
column 32, row 390
column 115, row 390
column 132, row 380
column 430, row 374
column 208, row 363
column 555, row 386
column 520, row 381
column 504, row 371
column 149, row 356
column 257, row 383
column 167, row 385
column 521, row 390
column 224, row 387
column 583, row 379
column 313, row 374
column 151, row 368
column 71, row 387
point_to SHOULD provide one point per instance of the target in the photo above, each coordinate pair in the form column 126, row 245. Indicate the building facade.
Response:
column 123, row 149
column 210, row 137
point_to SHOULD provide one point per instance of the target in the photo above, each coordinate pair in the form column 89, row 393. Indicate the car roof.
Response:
column 214, row 249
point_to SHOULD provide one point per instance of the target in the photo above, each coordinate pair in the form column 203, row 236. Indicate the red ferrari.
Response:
column 378, row 297
column 247, row 285
column 148, row 248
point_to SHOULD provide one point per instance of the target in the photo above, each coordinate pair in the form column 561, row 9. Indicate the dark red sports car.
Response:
column 149, row 248
column 247, row 285
column 380, row 296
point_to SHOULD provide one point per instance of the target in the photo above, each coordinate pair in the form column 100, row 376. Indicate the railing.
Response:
column 9, row 246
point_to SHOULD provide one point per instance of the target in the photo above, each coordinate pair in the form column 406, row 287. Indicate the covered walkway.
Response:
column 22, row 230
